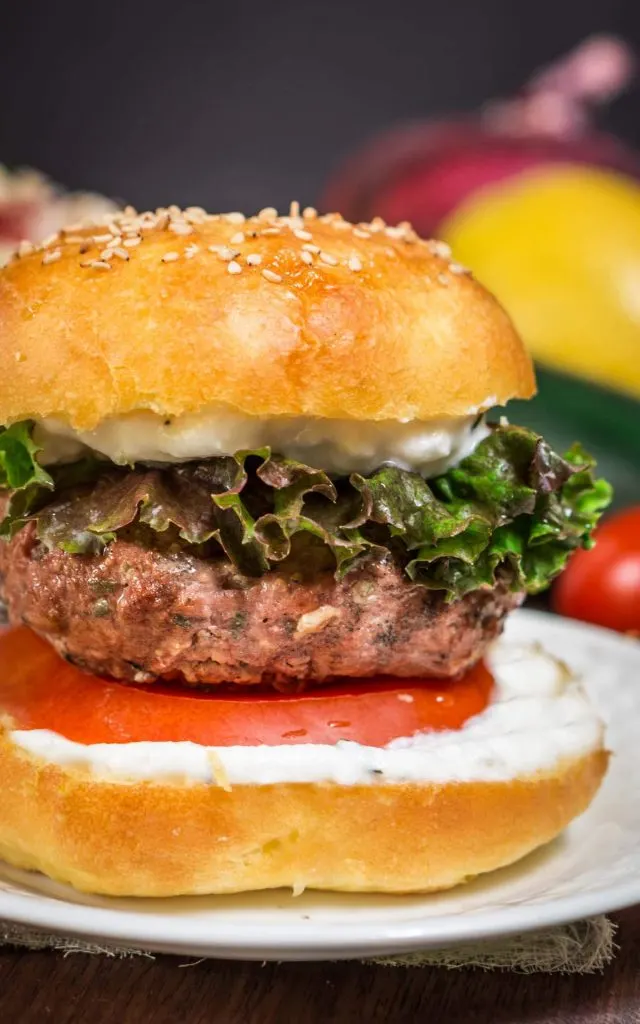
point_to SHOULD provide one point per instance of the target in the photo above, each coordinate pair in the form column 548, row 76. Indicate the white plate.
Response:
column 594, row 867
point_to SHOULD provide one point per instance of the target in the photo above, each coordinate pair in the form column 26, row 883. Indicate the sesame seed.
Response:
column 49, row 240
column 304, row 236
column 443, row 279
column 439, row 248
column 234, row 218
column 122, row 254
column 195, row 214
column 146, row 226
column 294, row 209
column 340, row 224
column 74, row 228
column 25, row 248
column 74, row 239
column 51, row 257
column 327, row 258
column 234, row 267
column 180, row 227
column 270, row 275
column 315, row 249
column 97, row 265
column 377, row 224
column 396, row 232
column 105, row 254
column 354, row 263
column 225, row 253
column 306, row 257
column 309, row 213
column 238, row 238
column 270, row 231
column 457, row 268
column 268, row 213
column 101, row 239
column 254, row 259
column 130, row 211
column 191, row 250
column 170, row 257
column 132, row 242
column 359, row 233
column 19, row 357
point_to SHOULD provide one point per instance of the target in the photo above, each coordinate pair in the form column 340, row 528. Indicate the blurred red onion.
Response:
column 423, row 171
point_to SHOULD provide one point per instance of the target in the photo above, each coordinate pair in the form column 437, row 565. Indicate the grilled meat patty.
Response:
column 145, row 610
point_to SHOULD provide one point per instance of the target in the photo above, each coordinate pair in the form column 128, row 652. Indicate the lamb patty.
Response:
column 142, row 612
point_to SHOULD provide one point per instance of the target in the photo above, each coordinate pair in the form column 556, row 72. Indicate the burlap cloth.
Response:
column 581, row 948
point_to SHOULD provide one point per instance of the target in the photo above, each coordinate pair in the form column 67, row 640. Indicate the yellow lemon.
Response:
column 560, row 247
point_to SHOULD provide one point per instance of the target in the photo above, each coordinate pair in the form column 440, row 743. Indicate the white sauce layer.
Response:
column 339, row 446
column 537, row 718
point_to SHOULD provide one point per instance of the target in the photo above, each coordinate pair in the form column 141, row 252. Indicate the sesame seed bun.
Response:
column 299, row 315
column 86, row 830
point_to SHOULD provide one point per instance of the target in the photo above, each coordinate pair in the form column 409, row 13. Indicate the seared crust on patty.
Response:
column 139, row 613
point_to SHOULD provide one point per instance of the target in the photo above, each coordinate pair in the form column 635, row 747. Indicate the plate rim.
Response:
column 238, row 940
column 458, row 929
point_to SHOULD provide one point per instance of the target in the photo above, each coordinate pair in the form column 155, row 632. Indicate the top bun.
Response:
column 303, row 315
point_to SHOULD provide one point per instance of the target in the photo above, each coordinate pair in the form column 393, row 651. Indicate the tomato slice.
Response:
column 38, row 690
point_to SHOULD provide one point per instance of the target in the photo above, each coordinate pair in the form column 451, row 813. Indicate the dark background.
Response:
column 245, row 104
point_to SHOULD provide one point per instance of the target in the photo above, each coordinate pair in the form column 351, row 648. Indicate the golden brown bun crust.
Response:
column 394, row 330
column 166, row 839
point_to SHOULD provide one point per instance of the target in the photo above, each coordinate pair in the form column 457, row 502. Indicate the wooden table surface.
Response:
column 46, row 986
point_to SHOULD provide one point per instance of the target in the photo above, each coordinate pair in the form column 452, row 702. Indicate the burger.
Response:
column 258, row 538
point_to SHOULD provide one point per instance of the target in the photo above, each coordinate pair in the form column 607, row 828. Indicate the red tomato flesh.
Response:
column 602, row 585
column 38, row 690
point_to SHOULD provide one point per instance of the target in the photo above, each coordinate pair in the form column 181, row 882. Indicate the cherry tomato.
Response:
column 602, row 585
column 38, row 690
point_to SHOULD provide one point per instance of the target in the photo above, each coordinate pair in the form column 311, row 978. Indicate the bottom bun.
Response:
column 132, row 838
